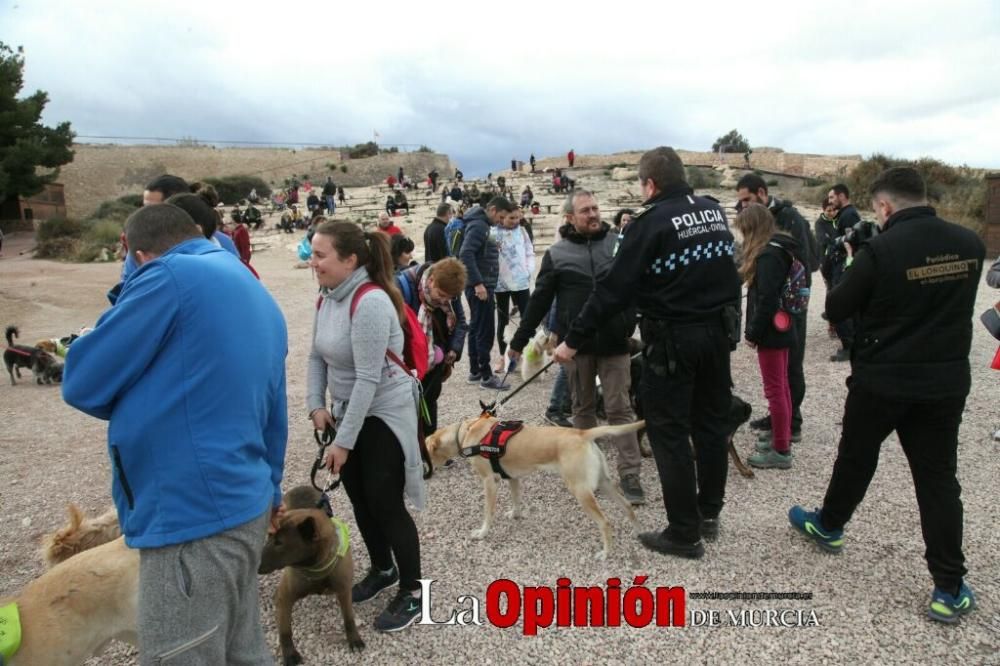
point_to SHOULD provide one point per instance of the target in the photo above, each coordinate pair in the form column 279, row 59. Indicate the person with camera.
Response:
column 847, row 218
column 675, row 263
column 913, row 288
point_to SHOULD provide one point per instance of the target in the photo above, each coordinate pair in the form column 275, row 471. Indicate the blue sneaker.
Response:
column 947, row 608
column 808, row 522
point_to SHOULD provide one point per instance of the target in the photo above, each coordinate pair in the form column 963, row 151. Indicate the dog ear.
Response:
column 483, row 406
column 307, row 529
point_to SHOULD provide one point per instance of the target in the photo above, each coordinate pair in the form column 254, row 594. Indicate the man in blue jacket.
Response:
column 196, row 434
column 481, row 257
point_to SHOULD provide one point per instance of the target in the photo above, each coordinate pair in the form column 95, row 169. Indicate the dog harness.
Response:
column 494, row 445
column 10, row 632
column 343, row 543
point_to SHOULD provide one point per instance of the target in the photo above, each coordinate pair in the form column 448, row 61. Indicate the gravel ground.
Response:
column 869, row 601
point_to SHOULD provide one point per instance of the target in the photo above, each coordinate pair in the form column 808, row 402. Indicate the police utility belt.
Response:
column 660, row 352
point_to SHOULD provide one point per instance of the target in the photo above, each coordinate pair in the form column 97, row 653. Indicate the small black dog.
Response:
column 18, row 356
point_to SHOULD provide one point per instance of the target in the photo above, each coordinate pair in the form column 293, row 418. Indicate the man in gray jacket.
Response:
column 481, row 257
column 570, row 270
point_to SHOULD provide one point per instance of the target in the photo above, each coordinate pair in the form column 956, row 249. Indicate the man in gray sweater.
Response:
column 481, row 257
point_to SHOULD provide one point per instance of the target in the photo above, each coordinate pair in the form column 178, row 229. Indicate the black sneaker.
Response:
column 402, row 611
column 763, row 424
column 557, row 419
column 632, row 489
column 710, row 529
column 474, row 378
column 374, row 582
column 661, row 543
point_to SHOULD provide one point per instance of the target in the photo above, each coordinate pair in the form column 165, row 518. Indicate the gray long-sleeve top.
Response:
column 348, row 357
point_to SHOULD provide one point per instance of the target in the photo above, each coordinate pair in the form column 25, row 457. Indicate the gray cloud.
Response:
column 906, row 78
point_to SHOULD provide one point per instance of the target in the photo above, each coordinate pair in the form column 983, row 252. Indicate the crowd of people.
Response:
column 901, row 301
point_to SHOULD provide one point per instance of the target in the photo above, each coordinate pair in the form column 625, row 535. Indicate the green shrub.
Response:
column 233, row 189
column 369, row 149
column 104, row 233
column 59, row 247
column 771, row 182
column 59, row 227
column 731, row 142
column 343, row 168
column 424, row 149
column 132, row 200
column 116, row 209
column 703, row 179
column 958, row 193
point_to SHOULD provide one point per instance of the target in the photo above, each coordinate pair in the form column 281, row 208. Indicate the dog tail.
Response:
column 613, row 430
column 81, row 534
column 10, row 334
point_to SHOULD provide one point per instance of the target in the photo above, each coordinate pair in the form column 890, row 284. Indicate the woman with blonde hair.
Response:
column 766, row 261
column 356, row 351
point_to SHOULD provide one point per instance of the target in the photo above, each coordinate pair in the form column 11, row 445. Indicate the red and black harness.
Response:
column 493, row 446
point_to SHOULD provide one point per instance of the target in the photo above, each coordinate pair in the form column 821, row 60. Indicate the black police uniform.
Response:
column 913, row 288
column 675, row 263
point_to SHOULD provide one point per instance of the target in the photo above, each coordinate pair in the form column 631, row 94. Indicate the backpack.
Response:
column 794, row 297
column 454, row 234
column 304, row 249
column 415, row 361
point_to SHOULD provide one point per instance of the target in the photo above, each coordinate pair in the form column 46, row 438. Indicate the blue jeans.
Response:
column 559, row 402
column 331, row 204
column 482, row 328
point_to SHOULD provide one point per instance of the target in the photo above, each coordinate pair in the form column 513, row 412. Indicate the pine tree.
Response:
column 25, row 144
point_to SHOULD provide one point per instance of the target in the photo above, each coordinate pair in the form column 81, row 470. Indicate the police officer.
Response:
column 675, row 263
column 913, row 288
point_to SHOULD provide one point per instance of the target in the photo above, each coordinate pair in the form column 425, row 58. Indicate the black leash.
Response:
column 491, row 409
column 323, row 439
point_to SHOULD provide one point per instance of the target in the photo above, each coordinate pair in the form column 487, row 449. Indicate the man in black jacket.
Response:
column 913, row 288
column 751, row 188
column 675, row 263
column 570, row 269
column 847, row 217
column 435, row 245
column 481, row 256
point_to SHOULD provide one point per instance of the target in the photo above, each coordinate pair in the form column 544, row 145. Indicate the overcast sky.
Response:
column 488, row 81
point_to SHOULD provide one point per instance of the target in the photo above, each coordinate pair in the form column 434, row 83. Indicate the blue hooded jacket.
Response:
column 189, row 369
column 479, row 252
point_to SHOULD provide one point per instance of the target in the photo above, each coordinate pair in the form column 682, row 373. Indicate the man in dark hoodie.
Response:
column 847, row 217
column 435, row 245
column 481, row 257
column 751, row 189
column 570, row 270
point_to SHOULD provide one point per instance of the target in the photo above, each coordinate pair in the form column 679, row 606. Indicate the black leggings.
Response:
column 373, row 478
column 504, row 298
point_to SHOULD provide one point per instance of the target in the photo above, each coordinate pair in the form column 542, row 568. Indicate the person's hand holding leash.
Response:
column 336, row 458
column 480, row 290
column 450, row 358
column 513, row 354
column 322, row 419
column 564, row 353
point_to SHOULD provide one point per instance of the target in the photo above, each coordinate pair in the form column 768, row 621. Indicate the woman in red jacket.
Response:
column 241, row 239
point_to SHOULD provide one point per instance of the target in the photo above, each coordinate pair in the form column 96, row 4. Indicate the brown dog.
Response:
column 316, row 558
column 569, row 451
column 73, row 610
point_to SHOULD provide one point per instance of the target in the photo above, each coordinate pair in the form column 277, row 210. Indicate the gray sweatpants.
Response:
column 615, row 374
column 198, row 601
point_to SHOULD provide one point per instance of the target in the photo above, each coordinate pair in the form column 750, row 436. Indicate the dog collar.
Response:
column 343, row 543
column 10, row 631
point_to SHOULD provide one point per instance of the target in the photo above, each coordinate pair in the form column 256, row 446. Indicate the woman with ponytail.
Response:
column 767, row 258
column 374, row 408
